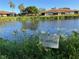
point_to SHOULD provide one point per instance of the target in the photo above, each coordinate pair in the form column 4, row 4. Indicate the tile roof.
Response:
column 6, row 12
column 59, row 10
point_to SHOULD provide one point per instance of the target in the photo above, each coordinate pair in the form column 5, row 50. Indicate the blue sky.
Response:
column 73, row 4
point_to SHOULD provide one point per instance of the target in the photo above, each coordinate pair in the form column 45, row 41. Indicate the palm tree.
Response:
column 21, row 8
column 12, row 5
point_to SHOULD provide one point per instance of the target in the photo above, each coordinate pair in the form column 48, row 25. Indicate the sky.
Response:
column 47, row 4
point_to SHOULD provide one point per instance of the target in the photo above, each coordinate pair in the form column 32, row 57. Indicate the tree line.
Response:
column 30, row 10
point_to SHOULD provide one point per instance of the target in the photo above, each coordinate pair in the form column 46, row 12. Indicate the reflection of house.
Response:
column 60, row 11
column 6, row 13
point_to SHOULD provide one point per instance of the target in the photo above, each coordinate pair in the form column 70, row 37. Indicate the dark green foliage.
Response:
column 31, row 48
column 31, row 10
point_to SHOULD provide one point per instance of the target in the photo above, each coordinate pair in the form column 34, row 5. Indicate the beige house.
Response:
column 6, row 13
column 60, row 11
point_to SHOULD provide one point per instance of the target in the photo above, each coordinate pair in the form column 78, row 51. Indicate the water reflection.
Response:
column 14, row 31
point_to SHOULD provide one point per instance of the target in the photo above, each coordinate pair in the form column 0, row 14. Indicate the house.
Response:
column 60, row 11
column 6, row 13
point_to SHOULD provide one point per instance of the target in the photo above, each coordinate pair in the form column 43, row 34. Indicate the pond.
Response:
column 13, row 30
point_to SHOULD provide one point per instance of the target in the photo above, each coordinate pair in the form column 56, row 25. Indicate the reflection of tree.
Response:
column 34, row 23
column 29, row 24
column 23, row 25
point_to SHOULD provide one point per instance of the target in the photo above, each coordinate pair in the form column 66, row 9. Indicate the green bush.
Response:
column 32, row 49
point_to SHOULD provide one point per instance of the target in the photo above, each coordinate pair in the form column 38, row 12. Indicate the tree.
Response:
column 11, row 4
column 21, row 7
column 31, row 10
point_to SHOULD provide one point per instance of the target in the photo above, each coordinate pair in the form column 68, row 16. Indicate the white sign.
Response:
column 51, row 41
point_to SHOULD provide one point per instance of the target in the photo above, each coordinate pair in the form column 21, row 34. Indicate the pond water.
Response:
column 13, row 30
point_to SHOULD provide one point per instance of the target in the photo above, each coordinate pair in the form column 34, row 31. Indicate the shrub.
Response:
column 32, row 49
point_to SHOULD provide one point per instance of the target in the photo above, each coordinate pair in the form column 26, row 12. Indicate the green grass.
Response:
column 24, row 18
column 36, row 19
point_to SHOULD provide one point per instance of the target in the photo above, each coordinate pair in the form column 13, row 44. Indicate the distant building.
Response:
column 6, row 13
column 60, row 11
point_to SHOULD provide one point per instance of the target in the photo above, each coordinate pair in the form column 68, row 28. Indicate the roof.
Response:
column 58, row 10
column 6, row 12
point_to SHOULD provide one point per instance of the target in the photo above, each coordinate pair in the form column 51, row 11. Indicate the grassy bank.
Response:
column 3, row 20
column 32, row 49
column 54, row 17
column 36, row 19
